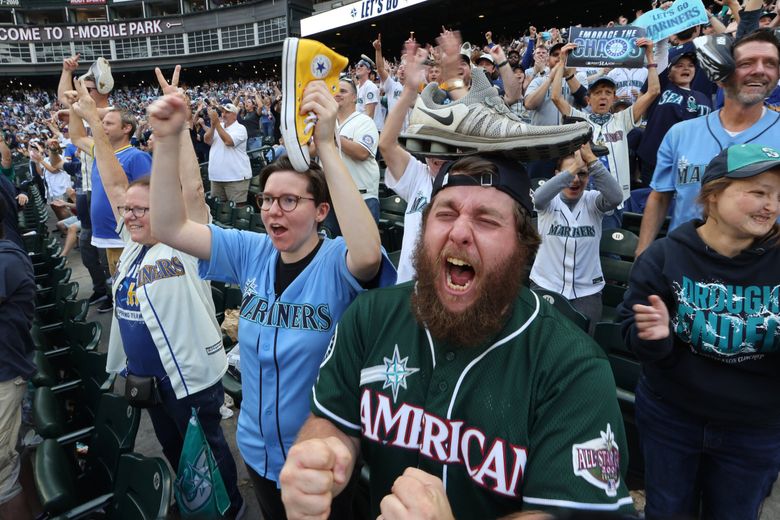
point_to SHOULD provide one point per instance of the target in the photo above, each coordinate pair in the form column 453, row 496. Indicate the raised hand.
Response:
column 317, row 99
column 378, row 42
column 652, row 321
column 168, row 115
column 85, row 107
column 72, row 63
column 173, row 86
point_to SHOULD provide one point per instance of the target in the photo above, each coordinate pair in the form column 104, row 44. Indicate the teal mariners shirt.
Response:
column 529, row 420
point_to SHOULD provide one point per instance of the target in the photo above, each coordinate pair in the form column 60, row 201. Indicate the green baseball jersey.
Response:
column 529, row 420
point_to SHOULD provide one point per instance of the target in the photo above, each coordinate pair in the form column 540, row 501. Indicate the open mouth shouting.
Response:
column 460, row 274
column 276, row 230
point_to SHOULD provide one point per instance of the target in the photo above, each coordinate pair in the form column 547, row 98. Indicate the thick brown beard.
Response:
column 486, row 316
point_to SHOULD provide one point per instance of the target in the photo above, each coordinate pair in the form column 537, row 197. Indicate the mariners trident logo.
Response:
column 598, row 462
column 394, row 373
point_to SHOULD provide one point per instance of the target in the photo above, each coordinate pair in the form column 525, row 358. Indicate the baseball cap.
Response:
column 465, row 52
column 767, row 14
column 485, row 56
column 601, row 80
column 742, row 161
column 676, row 54
column 230, row 107
column 511, row 178
column 556, row 47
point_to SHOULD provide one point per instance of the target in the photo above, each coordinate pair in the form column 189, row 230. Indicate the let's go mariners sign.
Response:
column 662, row 23
column 353, row 13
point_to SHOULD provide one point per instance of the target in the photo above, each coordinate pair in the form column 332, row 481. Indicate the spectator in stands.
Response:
column 11, row 195
column 701, row 313
column 93, row 253
column 17, row 304
column 249, row 116
column 229, row 168
column 610, row 130
column 408, row 177
column 689, row 146
column 148, row 337
column 358, row 140
column 367, row 93
column 569, row 222
column 677, row 102
column 267, row 118
column 392, row 87
column 59, row 185
column 296, row 284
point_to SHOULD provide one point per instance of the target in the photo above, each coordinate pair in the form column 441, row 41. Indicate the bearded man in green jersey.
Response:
column 466, row 394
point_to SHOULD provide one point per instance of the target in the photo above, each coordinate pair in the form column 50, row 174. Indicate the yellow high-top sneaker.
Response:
column 304, row 61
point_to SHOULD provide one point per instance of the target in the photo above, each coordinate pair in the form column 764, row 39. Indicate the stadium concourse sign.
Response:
column 10, row 3
column 353, row 13
column 68, row 33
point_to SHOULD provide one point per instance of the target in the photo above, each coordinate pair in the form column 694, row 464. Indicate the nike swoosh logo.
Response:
column 443, row 120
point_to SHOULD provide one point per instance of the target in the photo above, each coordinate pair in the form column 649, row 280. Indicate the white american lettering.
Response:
column 435, row 435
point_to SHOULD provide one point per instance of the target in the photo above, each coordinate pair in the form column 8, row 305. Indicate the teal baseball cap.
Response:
column 742, row 161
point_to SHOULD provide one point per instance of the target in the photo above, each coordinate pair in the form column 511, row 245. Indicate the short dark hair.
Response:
column 759, row 35
column 687, row 33
column 318, row 186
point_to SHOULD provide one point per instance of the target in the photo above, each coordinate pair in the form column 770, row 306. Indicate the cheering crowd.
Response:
column 462, row 390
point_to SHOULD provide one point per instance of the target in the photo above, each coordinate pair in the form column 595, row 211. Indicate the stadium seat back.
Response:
column 564, row 307
column 618, row 242
column 143, row 489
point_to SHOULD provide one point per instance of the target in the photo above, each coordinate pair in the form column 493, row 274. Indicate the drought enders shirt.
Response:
column 549, row 436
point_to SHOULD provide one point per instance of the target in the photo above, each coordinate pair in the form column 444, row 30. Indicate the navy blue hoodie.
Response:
column 17, row 304
column 721, row 360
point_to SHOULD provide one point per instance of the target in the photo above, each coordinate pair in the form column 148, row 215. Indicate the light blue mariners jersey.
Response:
column 690, row 145
column 282, row 340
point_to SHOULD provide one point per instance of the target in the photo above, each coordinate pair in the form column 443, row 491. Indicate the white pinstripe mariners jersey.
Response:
column 527, row 421
column 568, row 259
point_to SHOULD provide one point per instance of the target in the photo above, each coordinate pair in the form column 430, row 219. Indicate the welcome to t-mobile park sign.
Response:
column 97, row 31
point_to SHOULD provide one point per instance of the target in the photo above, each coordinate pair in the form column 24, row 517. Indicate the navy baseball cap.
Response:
column 602, row 80
column 676, row 54
column 511, row 178
column 742, row 161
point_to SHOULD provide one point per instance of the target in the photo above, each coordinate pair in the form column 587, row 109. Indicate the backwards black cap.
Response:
column 510, row 177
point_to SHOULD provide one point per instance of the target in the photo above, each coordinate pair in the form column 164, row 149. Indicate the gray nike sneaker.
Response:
column 481, row 122
column 100, row 73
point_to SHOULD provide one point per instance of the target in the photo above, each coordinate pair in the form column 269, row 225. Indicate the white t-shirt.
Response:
column 367, row 94
column 414, row 186
column 361, row 129
column 229, row 163
column 393, row 91
column 613, row 135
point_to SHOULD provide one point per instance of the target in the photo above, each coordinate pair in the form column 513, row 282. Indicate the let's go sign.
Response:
column 353, row 13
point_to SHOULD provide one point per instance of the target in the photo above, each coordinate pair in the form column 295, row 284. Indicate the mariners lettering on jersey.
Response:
column 731, row 323
column 286, row 315
column 689, row 173
column 494, row 464
column 558, row 230
column 161, row 269
column 598, row 461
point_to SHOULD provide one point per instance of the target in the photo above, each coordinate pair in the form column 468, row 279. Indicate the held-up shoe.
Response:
column 100, row 72
column 481, row 122
column 714, row 55
column 304, row 61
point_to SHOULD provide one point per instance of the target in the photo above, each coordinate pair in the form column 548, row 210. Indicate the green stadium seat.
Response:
column 563, row 306
column 61, row 482
column 618, row 242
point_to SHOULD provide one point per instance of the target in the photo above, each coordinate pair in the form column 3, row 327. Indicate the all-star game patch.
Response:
column 320, row 66
column 598, row 462
column 368, row 140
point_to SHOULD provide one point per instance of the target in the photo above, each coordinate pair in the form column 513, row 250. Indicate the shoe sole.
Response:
column 101, row 299
column 104, row 81
column 429, row 141
column 298, row 154
column 103, row 311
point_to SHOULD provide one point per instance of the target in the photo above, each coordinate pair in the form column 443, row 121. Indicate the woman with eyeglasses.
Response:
column 295, row 283
column 164, row 332
column 570, row 226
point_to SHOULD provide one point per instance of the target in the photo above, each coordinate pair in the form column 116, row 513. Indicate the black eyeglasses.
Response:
column 287, row 202
column 137, row 212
